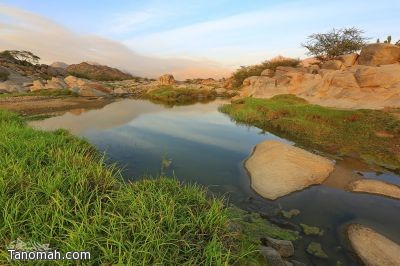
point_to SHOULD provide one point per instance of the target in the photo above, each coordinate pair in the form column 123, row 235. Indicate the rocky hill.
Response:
column 370, row 79
column 97, row 72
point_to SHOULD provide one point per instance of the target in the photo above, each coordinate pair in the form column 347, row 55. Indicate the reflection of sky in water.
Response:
column 206, row 147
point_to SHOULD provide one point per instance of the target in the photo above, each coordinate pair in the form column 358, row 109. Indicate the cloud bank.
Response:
column 23, row 30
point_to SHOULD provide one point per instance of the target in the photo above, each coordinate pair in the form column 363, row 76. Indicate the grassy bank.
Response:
column 373, row 135
column 55, row 189
column 171, row 94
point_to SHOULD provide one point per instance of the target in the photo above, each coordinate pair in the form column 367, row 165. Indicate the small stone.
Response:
column 284, row 247
column 316, row 250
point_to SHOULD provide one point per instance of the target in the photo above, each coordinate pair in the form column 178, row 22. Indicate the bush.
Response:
column 335, row 42
column 4, row 76
column 255, row 70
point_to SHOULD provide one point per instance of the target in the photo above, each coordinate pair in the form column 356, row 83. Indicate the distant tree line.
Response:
column 20, row 57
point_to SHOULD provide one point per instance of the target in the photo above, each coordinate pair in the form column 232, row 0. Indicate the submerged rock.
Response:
column 277, row 169
column 375, row 187
column 316, row 250
column 312, row 230
column 373, row 248
column 290, row 214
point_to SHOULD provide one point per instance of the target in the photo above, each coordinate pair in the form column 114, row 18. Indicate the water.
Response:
column 204, row 146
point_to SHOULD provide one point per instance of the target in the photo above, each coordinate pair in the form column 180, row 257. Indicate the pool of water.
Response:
column 199, row 144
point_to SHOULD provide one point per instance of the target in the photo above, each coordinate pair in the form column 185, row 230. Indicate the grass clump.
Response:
column 171, row 94
column 255, row 70
column 339, row 132
column 55, row 189
column 316, row 250
column 312, row 230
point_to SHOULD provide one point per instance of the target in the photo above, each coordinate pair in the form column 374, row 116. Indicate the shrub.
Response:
column 4, row 76
column 335, row 42
column 255, row 70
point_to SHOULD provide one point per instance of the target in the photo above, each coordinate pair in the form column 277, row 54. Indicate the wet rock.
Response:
column 290, row 214
column 277, row 169
column 372, row 247
column 312, row 230
column 271, row 256
column 284, row 247
column 375, row 187
column 316, row 250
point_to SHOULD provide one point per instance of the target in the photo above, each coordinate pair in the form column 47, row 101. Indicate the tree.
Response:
column 22, row 57
column 335, row 42
column 388, row 39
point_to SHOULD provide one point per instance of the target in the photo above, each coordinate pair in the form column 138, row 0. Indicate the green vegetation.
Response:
column 255, row 70
column 49, row 92
column 312, row 230
column 171, row 94
column 55, row 189
column 254, row 227
column 335, row 42
column 315, row 249
column 371, row 134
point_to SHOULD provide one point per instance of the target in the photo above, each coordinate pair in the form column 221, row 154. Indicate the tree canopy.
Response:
column 335, row 42
column 20, row 56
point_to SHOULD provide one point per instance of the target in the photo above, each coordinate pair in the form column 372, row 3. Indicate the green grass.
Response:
column 47, row 92
column 338, row 132
column 56, row 189
column 171, row 94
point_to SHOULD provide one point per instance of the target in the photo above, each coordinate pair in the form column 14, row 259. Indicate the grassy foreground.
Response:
column 373, row 135
column 55, row 189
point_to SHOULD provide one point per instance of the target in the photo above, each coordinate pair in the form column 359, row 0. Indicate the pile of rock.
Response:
column 276, row 252
column 369, row 80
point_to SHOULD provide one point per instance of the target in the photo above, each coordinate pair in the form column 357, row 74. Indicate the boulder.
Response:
column 379, row 54
column 284, row 247
column 268, row 73
column 166, row 79
column 343, row 79
column 74, row 82
column 120, row 91
column 384, row 76
column 13, row 87
column 375, row 187
column 56, row 83
column 333, row 64
column 221, row 91
column 271, row 256
column 37, row 85
column 372, row 247
column 348, row 60
column 277, row 169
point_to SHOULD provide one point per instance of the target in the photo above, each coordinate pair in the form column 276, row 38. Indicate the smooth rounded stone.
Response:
column 379, row 54
column 284, row 247
column 166, row 79
column 375, row 187
column 277, row 169
column 373, row 248
column 271, row 256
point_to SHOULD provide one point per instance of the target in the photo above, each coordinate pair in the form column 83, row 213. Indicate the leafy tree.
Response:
column 335, row 42
column 21, row 57
column 388, row 39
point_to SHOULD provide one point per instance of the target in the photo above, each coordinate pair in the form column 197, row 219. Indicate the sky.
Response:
column 186, row 38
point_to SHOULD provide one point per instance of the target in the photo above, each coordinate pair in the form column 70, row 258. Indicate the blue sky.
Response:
column 231, row 33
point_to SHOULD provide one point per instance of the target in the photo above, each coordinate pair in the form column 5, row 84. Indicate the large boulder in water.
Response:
column 372, row 247
column 379, row 54
column 277, row 169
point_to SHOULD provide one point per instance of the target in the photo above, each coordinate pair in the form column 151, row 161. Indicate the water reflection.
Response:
column 204, row 146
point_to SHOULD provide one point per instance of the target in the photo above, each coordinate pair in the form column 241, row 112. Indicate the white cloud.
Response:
column 20, row 29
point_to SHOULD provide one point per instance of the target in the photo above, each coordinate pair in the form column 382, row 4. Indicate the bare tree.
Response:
column 335, row 42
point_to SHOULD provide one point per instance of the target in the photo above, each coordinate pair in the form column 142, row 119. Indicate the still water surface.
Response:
column 202, row 145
